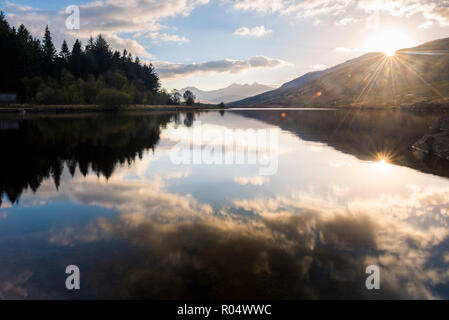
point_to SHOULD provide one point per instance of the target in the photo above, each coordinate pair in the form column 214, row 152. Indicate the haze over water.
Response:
column 349, row 192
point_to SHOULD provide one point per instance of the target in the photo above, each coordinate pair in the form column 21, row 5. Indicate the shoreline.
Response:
column 95, row 108
column 61, row 109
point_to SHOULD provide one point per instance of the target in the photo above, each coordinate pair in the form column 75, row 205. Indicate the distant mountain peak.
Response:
column 233, row 92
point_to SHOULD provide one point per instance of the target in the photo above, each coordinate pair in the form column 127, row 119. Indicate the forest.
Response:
column 90, row 74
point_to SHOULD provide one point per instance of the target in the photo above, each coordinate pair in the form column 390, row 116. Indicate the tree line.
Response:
column 90, row 74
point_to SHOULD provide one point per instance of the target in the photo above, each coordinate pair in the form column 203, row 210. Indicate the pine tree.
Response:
column 77, row 61
column 65, row 53
column 35, row 70
column 90, row 44
column 102, row 54
column 48, row 47
column 48, row 54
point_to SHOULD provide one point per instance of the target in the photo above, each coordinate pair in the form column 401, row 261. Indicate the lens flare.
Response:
column 389, row 42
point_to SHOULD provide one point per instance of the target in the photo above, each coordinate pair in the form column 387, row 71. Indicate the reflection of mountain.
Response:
column 40, row 147
column 411, row 76
column 232, row 93
column 367, row 135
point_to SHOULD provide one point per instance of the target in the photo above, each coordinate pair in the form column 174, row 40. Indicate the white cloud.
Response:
column 256, row 181
column 426, row 25
column 305, row 8
column 319, row 67
column 431, row 10
column 344, row 49
column 111, row 18
column 130, row 45
column 173, row 70
column 114, row 16
column 167, row 37
column 346, row 21
column 19, row 7
column 259, row 31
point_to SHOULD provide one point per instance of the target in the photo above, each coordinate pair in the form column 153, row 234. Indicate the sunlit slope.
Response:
column 414, row 75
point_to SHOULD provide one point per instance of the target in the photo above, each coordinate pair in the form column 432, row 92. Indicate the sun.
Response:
column 390, row 53
column 388, row 42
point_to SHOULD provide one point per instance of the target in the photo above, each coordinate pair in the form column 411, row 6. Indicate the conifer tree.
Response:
column 65, row 53
column 48, row 54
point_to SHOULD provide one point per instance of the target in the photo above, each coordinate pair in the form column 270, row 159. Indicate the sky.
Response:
column 211, row 44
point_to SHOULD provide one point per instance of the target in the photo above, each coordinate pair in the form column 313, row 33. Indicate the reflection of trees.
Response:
column 189, row 119
column 366, row 134
column 42, row 146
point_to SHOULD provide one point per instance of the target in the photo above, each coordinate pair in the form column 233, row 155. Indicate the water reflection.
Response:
column 139, row 227
column 388, row 134
column 40, row 147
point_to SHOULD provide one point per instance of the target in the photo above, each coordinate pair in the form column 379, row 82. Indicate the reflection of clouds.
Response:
column 137, row 198
column 340, row 164
column 204, row 134
column 405, row 239
column 126, row 190
column 220, row 257
column 339, row 190
column 295, row 246
column 69, row 236
column 256, row 181
column 299, row 245
column 6, row 205
column 15, row 284
column 134, row 196
column 423, row 208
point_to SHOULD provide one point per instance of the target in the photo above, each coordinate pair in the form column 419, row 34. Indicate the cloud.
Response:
column 256, row 181
column 319, row 67
column 431, row 10
column 253, row 32
column 114, row 16
column 111, row 18
column 167, row 37
column 19, row 7
column 130, row 45
column 344, row 49
column 346, row 21
column 34, row 22
column 426, row 25
column 306, row 8
column 174, row 70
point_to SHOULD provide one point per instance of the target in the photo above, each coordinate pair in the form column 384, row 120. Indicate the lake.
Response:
column 122, row 196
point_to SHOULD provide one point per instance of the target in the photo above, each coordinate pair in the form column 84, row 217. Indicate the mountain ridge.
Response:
column 412, row 75
column 230, row 93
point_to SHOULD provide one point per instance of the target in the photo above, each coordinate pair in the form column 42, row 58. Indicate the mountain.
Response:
column 411, row 76
column 231, row 93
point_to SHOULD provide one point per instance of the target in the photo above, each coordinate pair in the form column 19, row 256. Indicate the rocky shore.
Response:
column 437, row 142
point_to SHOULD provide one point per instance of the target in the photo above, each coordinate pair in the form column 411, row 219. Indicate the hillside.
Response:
column 231, row 93
column 411, row 76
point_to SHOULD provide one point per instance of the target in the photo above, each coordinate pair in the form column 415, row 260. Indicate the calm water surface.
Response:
column 100, row 192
